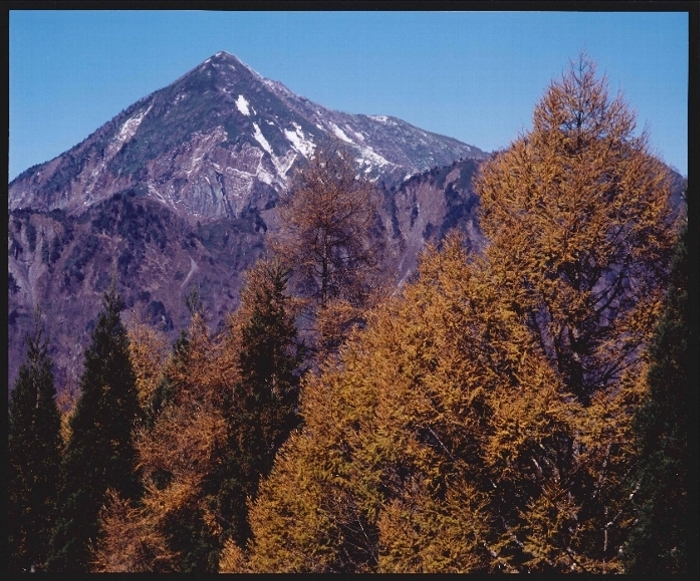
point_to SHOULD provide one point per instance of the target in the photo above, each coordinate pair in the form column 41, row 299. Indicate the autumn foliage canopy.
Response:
column 498, row 413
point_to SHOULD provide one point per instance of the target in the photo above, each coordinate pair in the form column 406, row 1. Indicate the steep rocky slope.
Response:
column 64, row 261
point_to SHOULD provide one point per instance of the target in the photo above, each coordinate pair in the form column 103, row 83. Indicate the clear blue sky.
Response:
column 475, row 76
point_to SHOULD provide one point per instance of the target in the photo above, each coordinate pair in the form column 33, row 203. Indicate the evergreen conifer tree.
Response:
column 34, row 455
column 657, row 543
column 100, row 453
column 263, row 408
column 172, row 527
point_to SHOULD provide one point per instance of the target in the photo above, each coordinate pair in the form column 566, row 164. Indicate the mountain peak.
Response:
column 222, row 68
column 180, row 189
column 220, row 141
column 222, row 57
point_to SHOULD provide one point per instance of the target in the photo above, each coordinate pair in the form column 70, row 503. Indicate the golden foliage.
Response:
column 578, row 214
column 190, row 428
column 233, row 559
column 184, row 440
column 394, row 405
column 336, row 321
column 148, row 351
column 326, row 234
column 132, row 543
column 441, row 439
column 66, row 401
column 418, row 534
column 480, row 422
column 175, row 454
column 292, row 531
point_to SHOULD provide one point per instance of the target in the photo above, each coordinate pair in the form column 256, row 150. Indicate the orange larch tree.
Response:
column 482, row 421
column 578, row 216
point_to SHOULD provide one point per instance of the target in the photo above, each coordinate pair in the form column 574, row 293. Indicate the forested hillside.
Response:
column 506, row 409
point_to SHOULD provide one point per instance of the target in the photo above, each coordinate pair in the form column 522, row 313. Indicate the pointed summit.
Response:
column 221, row 141
column 226, row 57
column 223, row 57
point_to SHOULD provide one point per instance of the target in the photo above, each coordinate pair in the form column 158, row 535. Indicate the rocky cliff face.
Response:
column 155, row 257
column 427, row 206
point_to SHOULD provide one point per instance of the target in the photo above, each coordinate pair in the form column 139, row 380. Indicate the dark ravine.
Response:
column 179, row 191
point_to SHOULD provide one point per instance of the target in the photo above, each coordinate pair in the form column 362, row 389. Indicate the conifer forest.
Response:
column 520, row 409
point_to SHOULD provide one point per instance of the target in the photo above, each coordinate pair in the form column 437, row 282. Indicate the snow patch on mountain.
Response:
column 260, row 138
column 359, row 135
column 126, row 132
column 340, row 134
column 369, row 156
column 283, row 164
column 243, row 105
column 299, row 141
column 128, row 129
column 264, row 176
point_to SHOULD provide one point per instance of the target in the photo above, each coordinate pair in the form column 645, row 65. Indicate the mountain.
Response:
column 221, row 141
column 179, row 191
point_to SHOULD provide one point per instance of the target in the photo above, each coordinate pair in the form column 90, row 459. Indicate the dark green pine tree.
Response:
column 657, row 543
column 34, row 456
column 263, row 408
column 100, row 453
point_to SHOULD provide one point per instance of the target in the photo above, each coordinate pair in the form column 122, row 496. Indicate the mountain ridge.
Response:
column 223, row 122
